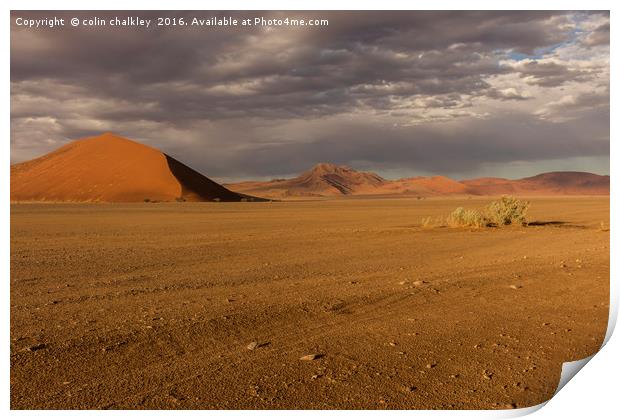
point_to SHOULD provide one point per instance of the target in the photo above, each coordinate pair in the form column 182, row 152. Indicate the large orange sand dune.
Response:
column 110, row 168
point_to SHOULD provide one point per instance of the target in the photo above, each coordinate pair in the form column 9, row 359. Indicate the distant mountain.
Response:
column 326, row 179
column 549, row 183
column 110, row 168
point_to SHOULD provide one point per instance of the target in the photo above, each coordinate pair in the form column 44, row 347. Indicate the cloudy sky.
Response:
column 462, row 94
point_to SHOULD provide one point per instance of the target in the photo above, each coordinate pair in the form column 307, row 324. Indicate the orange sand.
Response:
column 110, row 168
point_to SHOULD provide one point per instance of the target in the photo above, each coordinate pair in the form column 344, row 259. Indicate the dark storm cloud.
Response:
column 456, row 150
column 160, row 83
column 551, row 74
column 323, row 73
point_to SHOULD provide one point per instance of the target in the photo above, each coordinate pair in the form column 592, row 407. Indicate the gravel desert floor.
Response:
column 215, row 305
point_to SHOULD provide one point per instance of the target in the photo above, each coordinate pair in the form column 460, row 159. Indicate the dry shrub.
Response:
column 462, row 218
column 508, row 211
column 505, row 211
column 429, row 222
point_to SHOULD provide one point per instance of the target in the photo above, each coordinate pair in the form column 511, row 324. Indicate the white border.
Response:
column 594, row 393
column 314, row 5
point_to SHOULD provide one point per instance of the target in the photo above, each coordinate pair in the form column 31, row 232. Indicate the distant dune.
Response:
column 110, row 168
column 549, row 183
column 322, row 180
column 326, row 179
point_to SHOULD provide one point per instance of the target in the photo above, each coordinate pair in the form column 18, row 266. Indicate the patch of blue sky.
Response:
column 539, row 53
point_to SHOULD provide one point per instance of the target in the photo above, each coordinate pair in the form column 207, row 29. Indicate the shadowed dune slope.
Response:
column 197, row 187
column 110, row 168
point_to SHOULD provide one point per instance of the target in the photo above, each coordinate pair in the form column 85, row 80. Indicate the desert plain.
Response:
column 213, row 305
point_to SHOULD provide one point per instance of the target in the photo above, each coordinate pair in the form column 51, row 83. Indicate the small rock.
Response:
column 402, row 282
column 431, row 365
column 515, row 286
column 393, row 344
column 36, row 347
column 418, row 282
column 311, row 357
column 252, row 346
column 410, row 389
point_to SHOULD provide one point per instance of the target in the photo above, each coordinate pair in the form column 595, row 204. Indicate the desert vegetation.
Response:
column 463, row 217
column 506, row 211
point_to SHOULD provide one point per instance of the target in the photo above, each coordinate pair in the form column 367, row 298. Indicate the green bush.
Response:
column 508, row 211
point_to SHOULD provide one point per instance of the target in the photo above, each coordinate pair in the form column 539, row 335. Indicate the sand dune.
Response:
column 326, row 180
column 550, row 183
column 427, row 186
column 110, row 168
